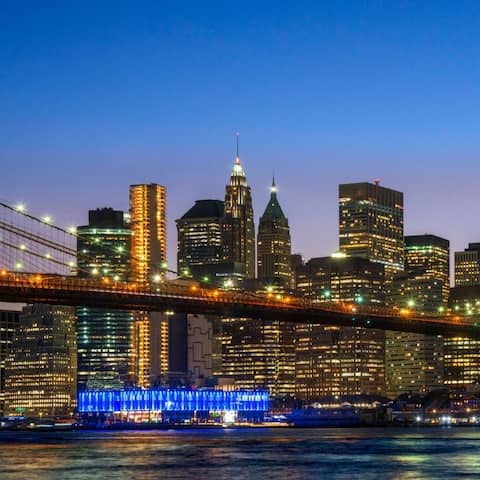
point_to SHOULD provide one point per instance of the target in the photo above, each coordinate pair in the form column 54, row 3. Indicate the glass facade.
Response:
column 104, row 337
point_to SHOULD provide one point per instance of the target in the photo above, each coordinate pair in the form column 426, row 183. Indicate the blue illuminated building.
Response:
column 174, row 404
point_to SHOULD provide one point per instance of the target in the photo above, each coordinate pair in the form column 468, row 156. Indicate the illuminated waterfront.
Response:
column 243, row 454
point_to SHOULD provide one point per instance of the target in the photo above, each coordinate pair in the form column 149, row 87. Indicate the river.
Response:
column 237, row 454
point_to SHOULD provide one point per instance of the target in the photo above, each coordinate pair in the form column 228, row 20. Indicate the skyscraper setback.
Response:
column 238, row 229
column 148, row 257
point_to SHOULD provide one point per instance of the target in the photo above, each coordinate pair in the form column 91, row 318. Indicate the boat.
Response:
column 324, row 417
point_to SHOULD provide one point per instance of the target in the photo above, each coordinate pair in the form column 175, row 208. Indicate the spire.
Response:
column 237, row 159
column 273, row 209
column 273, row 188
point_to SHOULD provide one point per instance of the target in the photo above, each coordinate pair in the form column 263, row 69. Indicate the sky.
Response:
column 95, row 96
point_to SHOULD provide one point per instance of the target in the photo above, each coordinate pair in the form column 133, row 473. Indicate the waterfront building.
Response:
column 238, row 229
column 199, row 233
column 41, row 367
column 173, row 405
column 332, row 360
column 414, row 362
column 274, row 245
column 148, row 261
column 104, row 337
column 8, row 325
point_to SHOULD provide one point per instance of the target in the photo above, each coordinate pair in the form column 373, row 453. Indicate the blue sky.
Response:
column 95, row 96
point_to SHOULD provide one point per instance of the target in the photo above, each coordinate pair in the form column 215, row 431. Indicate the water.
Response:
column 238, row 454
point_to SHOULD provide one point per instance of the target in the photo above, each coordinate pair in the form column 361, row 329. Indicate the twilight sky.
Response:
column 96, row 95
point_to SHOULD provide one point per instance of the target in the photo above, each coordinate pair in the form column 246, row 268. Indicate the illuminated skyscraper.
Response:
column 461, row 354
column 42, row 364
column 8, row 325
column 238, row 224
column 273, row 244
column 467, row 266
column 200, row 239
column 148, row 258
column 414, row 362
column 104, row 336
column 371, row 224
column 332, row 360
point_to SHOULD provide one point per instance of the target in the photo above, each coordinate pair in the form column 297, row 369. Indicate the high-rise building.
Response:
column 148, row 260
column 259, row 354
column 371, row 224
column 332, row 360
column 199, row 233
column 467, row 266
column 273, row 244
column 42, row 363
column 462, row 354
column 8, row 325
column 238, row 229
column 414, row 362
column 104, row 337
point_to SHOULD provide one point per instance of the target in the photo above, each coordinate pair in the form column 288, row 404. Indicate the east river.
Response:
column 235, row 454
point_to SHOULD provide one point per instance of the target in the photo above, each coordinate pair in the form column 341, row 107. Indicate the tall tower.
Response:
column 273, row 244
column 104, row 337
column 148, row 250
column 238, row 229
column 371, row 224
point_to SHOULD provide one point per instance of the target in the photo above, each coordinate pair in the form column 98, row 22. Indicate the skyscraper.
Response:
column 199, row 233
column 273, row 244
column 371, row 224
column 467, row 266
column 148, row 257
column 461, row 354
column 414, row 362
column 8, row 325
column 238, row 229
column 105, row 337
column 42, row 364
column 332, row 360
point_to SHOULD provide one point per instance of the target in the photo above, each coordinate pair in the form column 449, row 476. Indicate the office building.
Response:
column 199, row 233
column 41, row 367
column 461, row 354
column 104, row 337
column 8, row 325
column 273, row 244
column 414, row 362
column 467, row 266
column 371, row 224
column 332, row 360
column 148, row 260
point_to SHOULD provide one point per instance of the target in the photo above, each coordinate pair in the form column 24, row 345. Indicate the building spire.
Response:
column 273, row 188
column 237, row 160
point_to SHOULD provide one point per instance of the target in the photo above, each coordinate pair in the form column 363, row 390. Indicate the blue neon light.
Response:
column 173, row 401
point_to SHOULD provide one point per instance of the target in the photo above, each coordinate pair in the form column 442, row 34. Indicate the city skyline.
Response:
column 322, row 95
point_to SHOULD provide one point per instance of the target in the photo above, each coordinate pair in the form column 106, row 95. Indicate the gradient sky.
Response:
column 95, row 96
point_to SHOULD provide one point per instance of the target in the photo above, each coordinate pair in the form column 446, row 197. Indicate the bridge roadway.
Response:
column 104, row 293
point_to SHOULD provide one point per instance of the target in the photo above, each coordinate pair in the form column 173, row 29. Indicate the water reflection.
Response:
column 243, row 454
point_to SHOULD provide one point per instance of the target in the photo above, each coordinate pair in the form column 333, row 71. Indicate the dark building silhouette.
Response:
column 274, row 245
